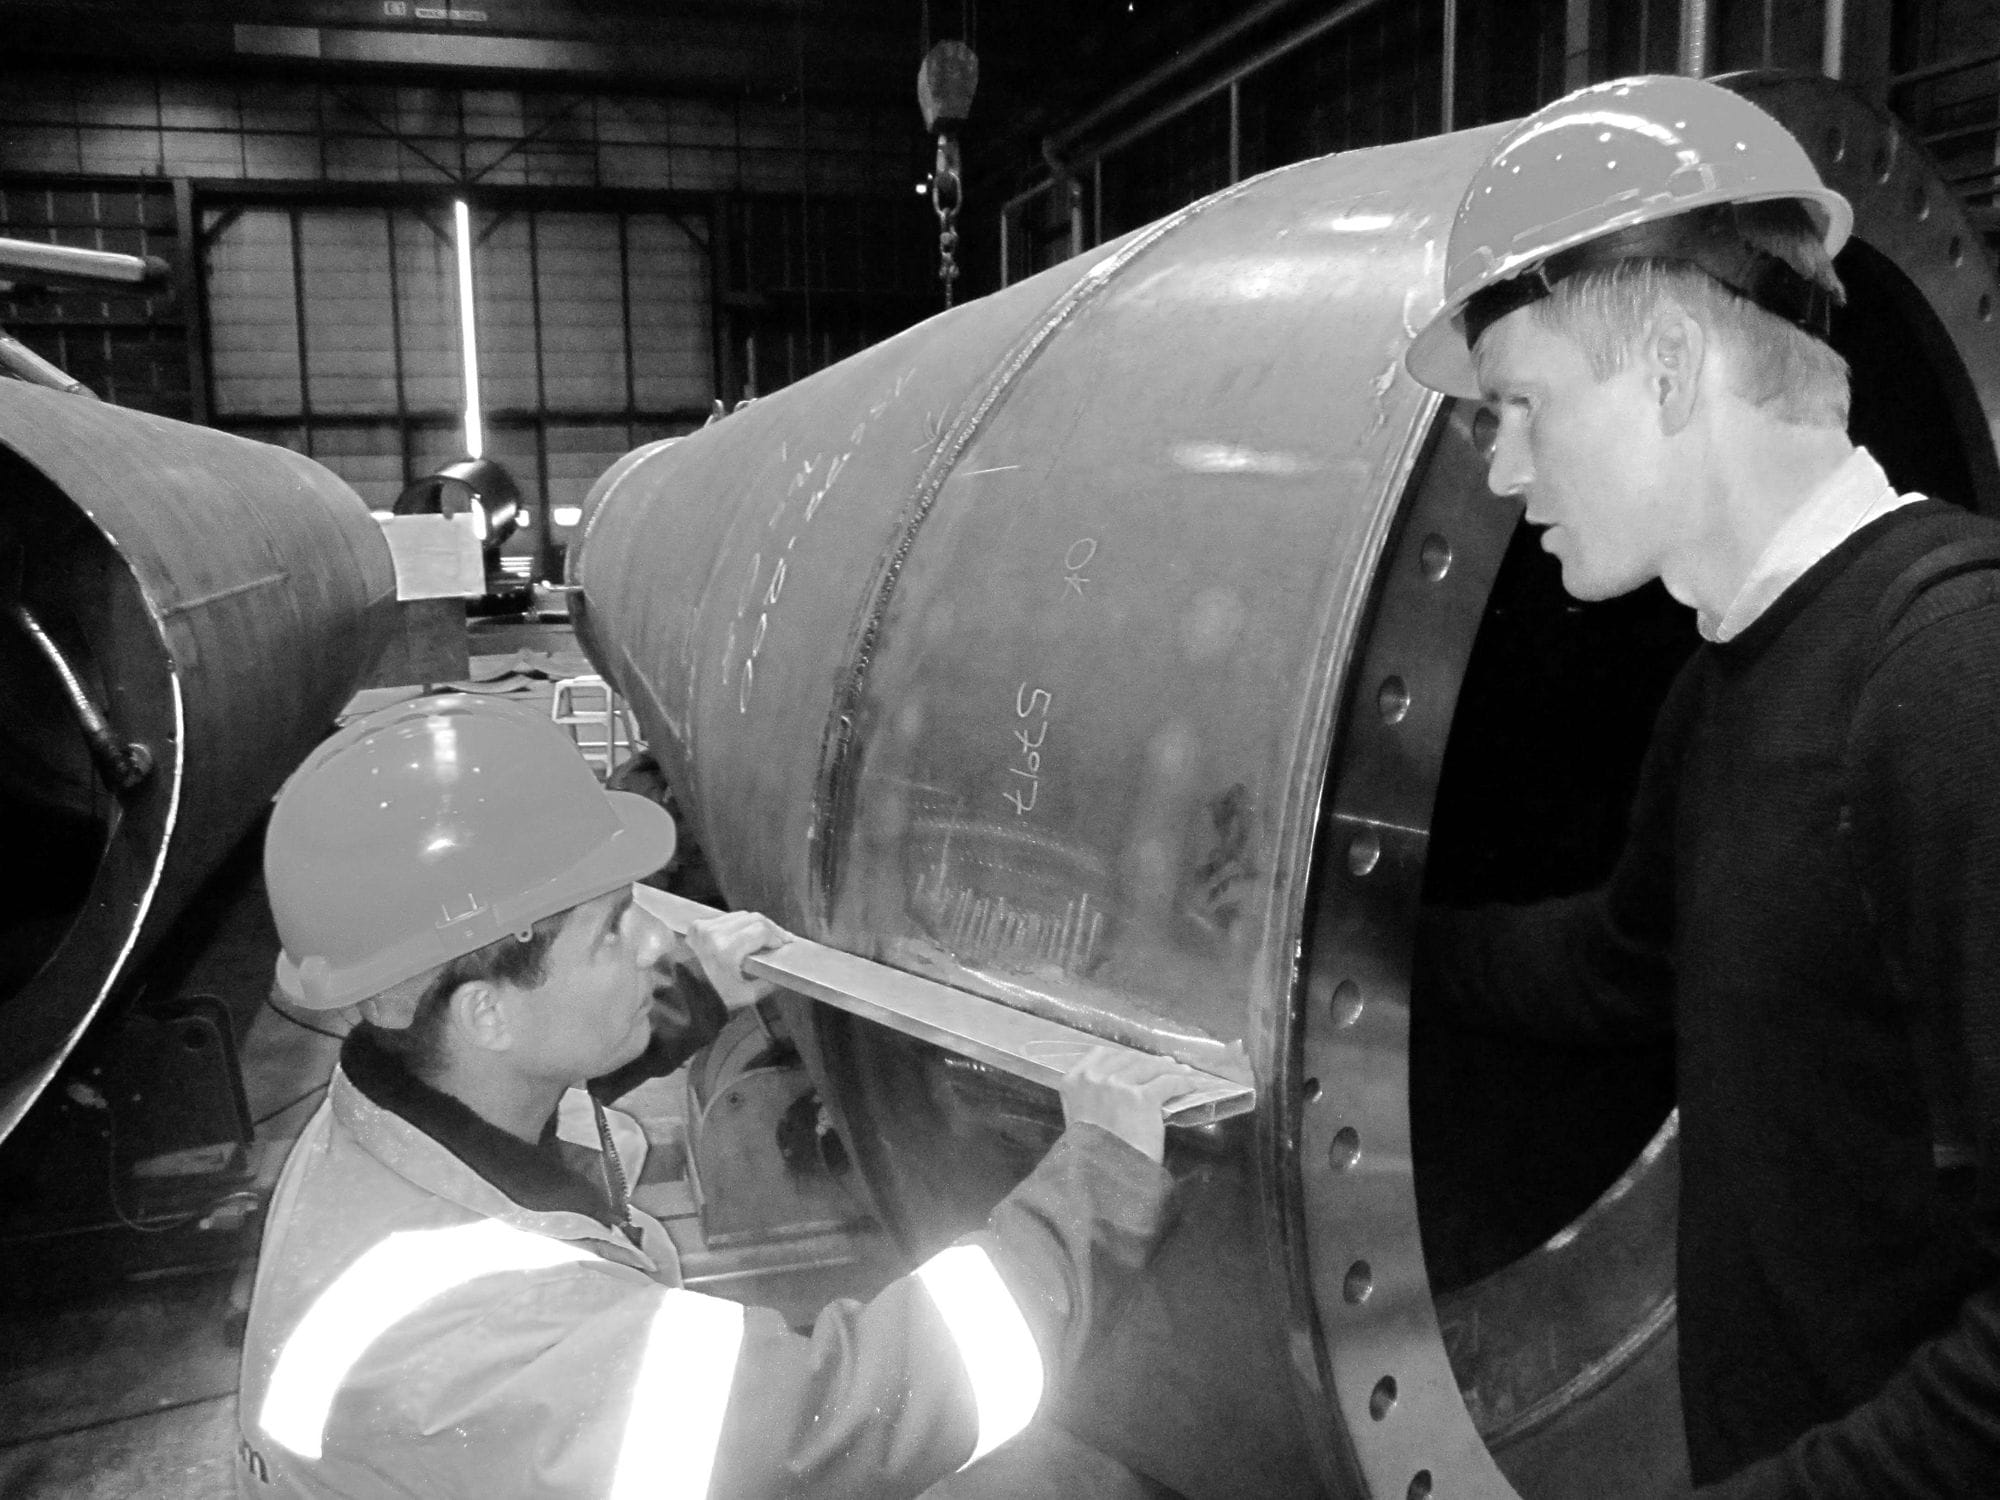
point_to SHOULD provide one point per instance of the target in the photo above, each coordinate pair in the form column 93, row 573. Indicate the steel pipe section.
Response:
column 1139, row 647
column 205, row 598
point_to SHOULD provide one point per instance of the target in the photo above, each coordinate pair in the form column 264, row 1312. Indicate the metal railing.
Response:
column 1067, row 173
column 1980, row 187
column 1068, row 204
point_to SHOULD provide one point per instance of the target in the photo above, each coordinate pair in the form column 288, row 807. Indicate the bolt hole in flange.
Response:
column 1346, row 1149
column 1345, row 1005
column 1392, row 700
column 1358, row 1285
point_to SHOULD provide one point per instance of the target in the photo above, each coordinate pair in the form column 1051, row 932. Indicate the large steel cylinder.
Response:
column 1139, row 647
column 211, row 599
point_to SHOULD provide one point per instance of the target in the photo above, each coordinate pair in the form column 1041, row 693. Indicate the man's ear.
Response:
column 1675, row 358
column 479, row 1012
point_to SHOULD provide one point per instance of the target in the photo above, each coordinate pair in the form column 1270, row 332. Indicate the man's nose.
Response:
column 1508, row 471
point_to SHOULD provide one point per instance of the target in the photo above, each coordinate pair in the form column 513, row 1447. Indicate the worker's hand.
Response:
column 1124, row 1092
column 721, row 943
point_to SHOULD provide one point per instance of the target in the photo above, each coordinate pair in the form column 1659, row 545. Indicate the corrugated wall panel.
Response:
column 298, row 129
column 578, row 455
column 123, row 100
column 270, row 154
column 360, row 159
column 494, row 112
column 432, row 112
column 504, row 299
column 667, row 278
column 278, row 105
column 557, row 163
column 427, row 302
column 349, row 414
column 51, row 148
column 253, row 316
column 350, row 335
column 129, row 344
column 202, row 153
column 626, row 334
column 120, row 152
column 428, row 158
column 433, row 446
column 185, row 105
column 646, row 122
column 700, row 122
column 581, row 283
column 622, row 166
column 369, row 457
column 45, row 95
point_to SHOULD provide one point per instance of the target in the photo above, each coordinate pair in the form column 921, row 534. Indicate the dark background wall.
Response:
column 680, row 202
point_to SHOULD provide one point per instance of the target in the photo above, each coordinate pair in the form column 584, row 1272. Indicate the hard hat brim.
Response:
column 1438, row 357
column 645, row 841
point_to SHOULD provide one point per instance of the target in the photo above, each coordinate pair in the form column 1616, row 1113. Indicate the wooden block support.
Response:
column 429, row 645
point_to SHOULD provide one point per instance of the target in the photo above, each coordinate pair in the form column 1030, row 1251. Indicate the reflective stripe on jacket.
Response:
column 413, row 1331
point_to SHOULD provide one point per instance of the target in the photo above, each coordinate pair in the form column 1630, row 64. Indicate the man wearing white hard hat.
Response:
column 1639, row 286
column 452, row 1301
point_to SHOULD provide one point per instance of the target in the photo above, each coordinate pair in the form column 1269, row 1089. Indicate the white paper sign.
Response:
column 437, row 557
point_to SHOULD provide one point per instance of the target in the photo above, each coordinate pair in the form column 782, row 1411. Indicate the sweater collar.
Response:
column 533, row 1176
column 1852, row 496
column 1771, row 623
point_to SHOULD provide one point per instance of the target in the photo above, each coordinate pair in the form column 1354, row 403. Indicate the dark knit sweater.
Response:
column 1810, row 901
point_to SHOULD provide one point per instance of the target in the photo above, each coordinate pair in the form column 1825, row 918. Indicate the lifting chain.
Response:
column 945, row 86
column 946, row 195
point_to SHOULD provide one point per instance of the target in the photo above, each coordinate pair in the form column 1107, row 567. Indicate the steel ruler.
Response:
column 1000, row 1036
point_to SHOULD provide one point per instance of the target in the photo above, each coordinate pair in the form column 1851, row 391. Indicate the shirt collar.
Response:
column 1848, row 499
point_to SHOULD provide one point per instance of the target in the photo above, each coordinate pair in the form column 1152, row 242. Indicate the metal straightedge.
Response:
column 1013, row 1041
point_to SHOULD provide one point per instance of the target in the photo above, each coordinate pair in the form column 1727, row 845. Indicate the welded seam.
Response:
column 202, row 601
column 1591, row 1378
column 837, row 741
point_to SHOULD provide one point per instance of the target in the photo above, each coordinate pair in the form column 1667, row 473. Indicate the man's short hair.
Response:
column 517, row 959
column 1778, row 367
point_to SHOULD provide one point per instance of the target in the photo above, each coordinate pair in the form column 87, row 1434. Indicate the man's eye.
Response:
column 1485, row 430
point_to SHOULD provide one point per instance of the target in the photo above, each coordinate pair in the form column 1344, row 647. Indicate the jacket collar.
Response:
column 535, row 1176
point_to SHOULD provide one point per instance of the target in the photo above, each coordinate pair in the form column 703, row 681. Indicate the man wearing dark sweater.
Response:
column 1637, row 284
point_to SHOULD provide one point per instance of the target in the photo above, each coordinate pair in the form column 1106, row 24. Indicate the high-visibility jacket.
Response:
column 414, row 1331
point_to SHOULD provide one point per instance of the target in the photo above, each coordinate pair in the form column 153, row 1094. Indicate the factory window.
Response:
column 335, row 330
column 129, row 344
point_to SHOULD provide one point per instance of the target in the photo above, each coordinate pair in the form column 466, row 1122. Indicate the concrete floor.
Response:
column 124, row 1385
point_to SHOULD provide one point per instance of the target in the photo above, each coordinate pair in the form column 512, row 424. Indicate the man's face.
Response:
column 1583, row 455
column 592, row 1013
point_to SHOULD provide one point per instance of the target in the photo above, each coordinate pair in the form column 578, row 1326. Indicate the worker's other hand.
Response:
column 1125, row 1092
column 720, row 944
